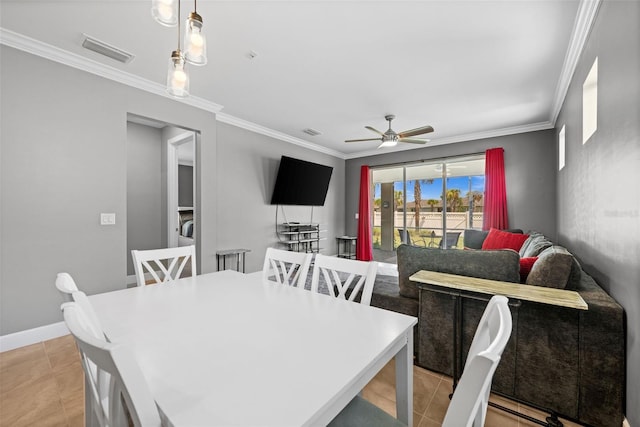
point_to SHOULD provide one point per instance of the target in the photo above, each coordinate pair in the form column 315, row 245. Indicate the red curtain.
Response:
column 364, row 249
column 495, row 191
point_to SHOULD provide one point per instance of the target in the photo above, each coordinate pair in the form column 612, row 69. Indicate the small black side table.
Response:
column 347, row 247
column 223, row 254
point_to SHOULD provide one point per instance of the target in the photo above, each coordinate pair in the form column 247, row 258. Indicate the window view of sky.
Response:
column 434, row 190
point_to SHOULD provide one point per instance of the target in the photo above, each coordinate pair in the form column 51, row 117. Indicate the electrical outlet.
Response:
column 107, row 219
column 357, row 216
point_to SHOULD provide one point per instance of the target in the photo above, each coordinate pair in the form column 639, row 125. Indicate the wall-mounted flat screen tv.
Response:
column 301, row 183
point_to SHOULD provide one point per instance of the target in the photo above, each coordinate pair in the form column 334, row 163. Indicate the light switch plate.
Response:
column 107, row 219
column 357, row 216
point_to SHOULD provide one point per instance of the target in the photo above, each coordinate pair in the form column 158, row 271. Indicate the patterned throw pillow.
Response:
column 535, row 244
column 497, row 239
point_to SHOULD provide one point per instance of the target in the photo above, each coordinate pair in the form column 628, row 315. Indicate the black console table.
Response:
column 459, row 287
column 223, row 254
column 347, row 247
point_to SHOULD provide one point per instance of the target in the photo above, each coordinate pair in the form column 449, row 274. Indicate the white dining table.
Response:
column 224, row 349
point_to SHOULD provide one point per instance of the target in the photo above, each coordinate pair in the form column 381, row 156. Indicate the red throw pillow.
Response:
column 498, row 239
column 525, row 267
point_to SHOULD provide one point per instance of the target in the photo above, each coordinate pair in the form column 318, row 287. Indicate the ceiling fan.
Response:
column 390, row 138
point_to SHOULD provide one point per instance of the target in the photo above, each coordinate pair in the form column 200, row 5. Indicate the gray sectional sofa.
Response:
column 566, row 361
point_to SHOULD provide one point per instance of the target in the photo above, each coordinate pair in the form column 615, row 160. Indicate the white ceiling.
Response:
column 468, row 68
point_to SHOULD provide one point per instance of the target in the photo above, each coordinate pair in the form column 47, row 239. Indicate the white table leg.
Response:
column 404, row 381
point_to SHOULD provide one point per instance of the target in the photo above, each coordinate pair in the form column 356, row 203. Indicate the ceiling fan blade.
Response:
column 359, row 140
column 416, row 131
column 414, row 140
column 374, row 130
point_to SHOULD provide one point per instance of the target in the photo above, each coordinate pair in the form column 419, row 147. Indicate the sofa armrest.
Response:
column 602, row 356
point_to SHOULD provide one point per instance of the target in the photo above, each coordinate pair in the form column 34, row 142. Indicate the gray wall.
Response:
column 247, row 167
column 63, row 146
column 598, row 192
column 185, row 185
column 144, row 190
column 530, row 166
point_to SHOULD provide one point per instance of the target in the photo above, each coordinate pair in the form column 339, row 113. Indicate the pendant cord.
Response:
column 178, row 25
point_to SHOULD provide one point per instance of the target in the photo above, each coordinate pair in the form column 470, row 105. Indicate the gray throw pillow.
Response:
column 552, row 269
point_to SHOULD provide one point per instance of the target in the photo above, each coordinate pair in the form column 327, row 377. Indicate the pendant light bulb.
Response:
column 177, row 77
column 195, row 42
column 165, row 12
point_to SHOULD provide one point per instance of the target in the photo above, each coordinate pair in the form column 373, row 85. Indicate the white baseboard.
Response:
column 625, row 423
column 32, row 336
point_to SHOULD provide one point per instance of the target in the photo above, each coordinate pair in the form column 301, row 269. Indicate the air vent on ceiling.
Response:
column 311, row 132
column 105, row 49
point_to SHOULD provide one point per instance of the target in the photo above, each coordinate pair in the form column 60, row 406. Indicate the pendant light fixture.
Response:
column 195, row 43
column 165, row 12
column 177, row 77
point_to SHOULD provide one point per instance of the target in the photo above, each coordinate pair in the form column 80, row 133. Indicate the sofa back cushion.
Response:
column 498, row 239
column 501, row 265
column 473, row 239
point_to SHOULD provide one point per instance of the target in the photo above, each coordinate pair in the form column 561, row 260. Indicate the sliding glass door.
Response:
column 427, row 204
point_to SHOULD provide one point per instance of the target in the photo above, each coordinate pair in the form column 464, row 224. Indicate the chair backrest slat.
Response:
column 286, row 267
column 339, row 275
column 169, row 262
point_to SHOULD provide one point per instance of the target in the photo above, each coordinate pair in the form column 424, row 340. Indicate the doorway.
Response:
column 158, row 155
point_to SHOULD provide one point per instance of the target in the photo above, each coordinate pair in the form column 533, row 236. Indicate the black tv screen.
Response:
column 301, row 183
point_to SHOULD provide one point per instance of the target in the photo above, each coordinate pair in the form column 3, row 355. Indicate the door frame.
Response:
column 172, row 183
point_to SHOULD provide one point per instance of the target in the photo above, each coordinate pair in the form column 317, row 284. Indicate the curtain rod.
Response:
column 434, row 160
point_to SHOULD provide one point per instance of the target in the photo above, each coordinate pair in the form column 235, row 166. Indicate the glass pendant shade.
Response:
column 165, row 12
column 177, row 77
column 195, row 43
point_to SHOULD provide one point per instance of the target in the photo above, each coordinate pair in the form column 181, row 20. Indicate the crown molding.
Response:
column 587, row 11
column 253, row 127
column 47, row 51
column 460, row 138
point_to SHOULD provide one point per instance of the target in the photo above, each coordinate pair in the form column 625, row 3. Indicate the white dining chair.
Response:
column 66, row 286
column 468, row 406
column 286, row 267
column 111, row 373
column 345, row 278
column 164, row 265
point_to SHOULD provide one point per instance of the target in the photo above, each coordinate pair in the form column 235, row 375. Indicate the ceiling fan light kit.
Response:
column 167, row 13
column 390, row 138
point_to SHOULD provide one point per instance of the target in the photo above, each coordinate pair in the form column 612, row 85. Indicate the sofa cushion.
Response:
column 498, row 239
column 501, row 265
column 535, row 244
column 552, row 269
column 525, row 267
column 473, row 239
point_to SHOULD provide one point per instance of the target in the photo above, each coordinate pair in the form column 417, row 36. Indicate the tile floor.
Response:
column 43, row 385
